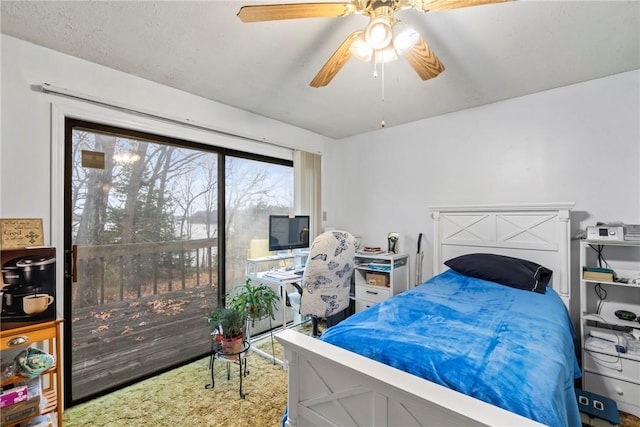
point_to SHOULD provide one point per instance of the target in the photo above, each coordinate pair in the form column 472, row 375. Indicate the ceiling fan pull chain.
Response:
column 382, row 94
column 382, row 81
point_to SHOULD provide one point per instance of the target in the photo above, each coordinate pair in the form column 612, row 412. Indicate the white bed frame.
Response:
column 330, row 386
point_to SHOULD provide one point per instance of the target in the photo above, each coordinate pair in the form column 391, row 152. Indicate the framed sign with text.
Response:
column 16, row 233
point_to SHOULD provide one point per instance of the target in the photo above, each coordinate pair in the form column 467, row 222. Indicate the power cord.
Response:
column 601, row 292
column 615, row 364
column 609, row 364
column 599, row 249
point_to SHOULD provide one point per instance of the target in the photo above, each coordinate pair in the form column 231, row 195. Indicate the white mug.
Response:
column 37, row 303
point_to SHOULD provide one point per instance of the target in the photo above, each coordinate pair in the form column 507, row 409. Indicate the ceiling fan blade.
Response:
column 336, row 62
column 422, row 59
column 435, row 5
column 275, row 12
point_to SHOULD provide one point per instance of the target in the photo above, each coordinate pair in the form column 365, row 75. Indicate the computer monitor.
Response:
column 288, row 232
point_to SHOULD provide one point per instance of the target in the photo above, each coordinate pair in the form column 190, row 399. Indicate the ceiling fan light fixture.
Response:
column 404, row 37
column 387, row 54
column 378, row 33
column 361, row 49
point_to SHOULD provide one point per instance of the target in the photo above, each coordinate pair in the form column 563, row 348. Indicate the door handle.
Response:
column 74, row 263
column 74, row 268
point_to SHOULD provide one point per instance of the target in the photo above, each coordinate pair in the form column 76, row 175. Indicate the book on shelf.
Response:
column 371, row 250
column 383, row 266
column 598, row 273
column 597, row 276
column 599, row 269
column 379, row 267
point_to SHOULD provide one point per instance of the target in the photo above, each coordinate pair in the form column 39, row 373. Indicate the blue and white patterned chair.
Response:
column 326, row 281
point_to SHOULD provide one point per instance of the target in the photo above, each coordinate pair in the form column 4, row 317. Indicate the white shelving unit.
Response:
column 378, row 277
column 608, row 371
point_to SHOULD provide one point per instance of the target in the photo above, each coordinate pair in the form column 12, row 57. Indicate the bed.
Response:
column 456, row 350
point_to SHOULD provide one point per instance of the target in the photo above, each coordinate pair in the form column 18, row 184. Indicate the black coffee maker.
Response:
column 24, row 276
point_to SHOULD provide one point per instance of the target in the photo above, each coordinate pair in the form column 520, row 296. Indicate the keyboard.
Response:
column 281, row 275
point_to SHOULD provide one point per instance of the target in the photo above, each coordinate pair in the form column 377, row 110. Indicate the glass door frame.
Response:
column 67, row 252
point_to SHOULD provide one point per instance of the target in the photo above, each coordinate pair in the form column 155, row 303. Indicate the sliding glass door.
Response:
column 147, row 239
column 253, row 191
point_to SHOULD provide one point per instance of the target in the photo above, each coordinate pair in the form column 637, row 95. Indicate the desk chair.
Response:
column 326, row 280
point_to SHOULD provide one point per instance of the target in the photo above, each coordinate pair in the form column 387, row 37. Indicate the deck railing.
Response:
column 117, row 272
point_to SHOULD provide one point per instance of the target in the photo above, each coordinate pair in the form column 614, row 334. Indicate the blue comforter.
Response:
column 508, row 347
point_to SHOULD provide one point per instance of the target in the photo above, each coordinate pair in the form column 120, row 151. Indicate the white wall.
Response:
column 579, row 144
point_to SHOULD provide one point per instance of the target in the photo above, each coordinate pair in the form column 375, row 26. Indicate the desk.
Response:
column 256, row 265
column 257, row 269
column 239, row 357
column 282, row 285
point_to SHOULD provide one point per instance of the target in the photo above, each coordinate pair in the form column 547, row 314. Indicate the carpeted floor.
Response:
column 629, row 420
column 626, row 420
column 179, row 398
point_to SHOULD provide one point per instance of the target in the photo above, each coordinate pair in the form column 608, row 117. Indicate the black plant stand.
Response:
column 240, row 358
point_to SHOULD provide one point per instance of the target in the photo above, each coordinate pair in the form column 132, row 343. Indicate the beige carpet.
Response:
column 629, row 420
column 179, row 398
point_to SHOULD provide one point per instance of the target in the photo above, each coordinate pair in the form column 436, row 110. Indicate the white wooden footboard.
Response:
column 330, row 386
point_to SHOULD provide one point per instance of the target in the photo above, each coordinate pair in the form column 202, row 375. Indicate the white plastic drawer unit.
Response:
column 363, row 305
column 366, row 296
column 612, row 366
column 610, row 376
column 626, row 394
column 372, row 293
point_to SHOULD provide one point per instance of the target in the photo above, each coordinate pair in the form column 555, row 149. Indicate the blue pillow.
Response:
column 513, row 272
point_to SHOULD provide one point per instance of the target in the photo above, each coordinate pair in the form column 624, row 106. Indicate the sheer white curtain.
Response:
column 307, row 188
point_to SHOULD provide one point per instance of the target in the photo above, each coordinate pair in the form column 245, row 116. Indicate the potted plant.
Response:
column 256, row 301
column 229, row 324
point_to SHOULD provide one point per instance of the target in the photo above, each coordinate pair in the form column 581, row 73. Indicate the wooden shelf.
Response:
column 51, row 405
column 25, row 336
column 17, row 378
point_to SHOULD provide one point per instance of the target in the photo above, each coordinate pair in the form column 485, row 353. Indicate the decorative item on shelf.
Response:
column 32, row 362
column 256, row 301
column 392, row 239
column 19, row 233
column 358, row 243
column 229, row 323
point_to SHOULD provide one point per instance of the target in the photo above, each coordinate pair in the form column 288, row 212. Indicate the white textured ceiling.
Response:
column 491, row 53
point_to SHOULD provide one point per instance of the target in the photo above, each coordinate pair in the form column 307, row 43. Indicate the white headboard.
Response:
column 536, row 232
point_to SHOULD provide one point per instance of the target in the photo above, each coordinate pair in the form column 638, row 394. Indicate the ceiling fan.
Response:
column 383, row 39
